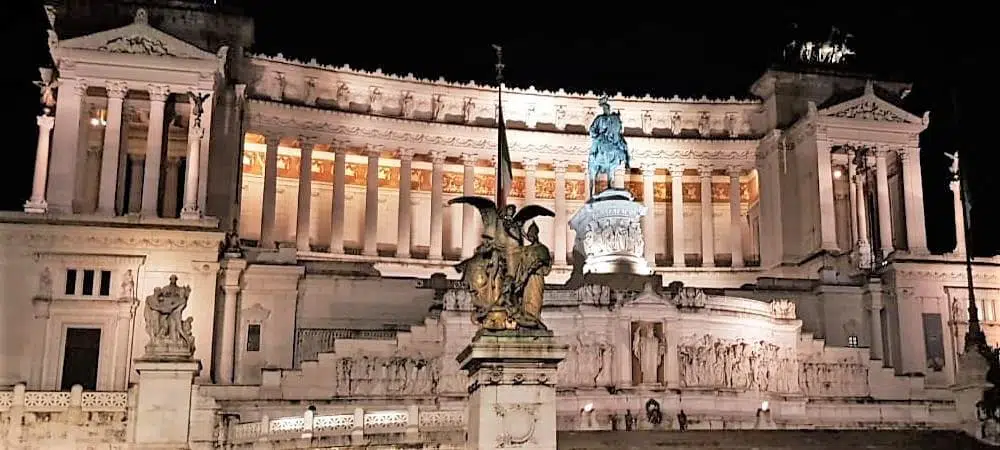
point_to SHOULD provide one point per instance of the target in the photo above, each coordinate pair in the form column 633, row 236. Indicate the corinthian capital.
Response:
column 116, row 88
column 158, row 92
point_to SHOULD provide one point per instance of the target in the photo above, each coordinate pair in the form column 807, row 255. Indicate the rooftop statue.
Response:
column 608, row 149
column 506, row 274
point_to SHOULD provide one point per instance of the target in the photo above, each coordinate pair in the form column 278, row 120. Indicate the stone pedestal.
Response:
column 970, row 384
column 163, row 404
column 512, row 392
column 609, row 233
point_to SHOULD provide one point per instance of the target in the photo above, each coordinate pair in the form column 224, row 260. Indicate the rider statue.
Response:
column 608, row 149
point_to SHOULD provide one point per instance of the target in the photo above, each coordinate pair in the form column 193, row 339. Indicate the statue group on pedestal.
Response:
column 506, row 273
column 170, row 336
column 608, row 149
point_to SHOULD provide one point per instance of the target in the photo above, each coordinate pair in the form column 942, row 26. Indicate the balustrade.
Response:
column 405, row 426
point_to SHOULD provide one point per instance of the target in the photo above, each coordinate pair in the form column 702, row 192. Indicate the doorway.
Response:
column 80, row 358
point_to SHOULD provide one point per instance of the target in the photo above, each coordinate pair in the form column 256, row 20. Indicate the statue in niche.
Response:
column 506, row 276
column 648, row 349
column 608, row 149
column 45, row 284
column 169, row 336
column 128, row 286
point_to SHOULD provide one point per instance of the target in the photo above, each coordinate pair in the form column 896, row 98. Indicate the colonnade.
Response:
column 59, row 180
column 470, row 233
column 871, row 165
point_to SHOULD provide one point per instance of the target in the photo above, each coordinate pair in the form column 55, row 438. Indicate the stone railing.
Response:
column 76, row 418
column 406, row 426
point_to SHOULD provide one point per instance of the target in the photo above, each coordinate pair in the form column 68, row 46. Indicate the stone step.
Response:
column 768, row 440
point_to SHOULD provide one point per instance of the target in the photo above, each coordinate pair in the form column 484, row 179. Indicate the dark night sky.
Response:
column 690, row 49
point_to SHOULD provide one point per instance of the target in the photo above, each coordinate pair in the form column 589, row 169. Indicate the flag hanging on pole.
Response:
column 505, row 176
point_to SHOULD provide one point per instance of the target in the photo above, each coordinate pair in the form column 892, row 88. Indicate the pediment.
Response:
column 870, row 107
column 137, row 38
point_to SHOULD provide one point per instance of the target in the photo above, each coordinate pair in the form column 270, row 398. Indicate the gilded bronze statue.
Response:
column 506, row 275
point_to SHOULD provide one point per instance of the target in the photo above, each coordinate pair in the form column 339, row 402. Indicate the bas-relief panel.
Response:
column 485, row 185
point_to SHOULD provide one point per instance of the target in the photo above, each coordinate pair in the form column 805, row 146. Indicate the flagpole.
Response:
column 501, row 199
column 974, row 337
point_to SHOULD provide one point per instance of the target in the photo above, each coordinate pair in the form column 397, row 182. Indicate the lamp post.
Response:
column 975, row 339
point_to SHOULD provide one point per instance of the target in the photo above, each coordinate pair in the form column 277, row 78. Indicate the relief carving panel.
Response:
column 710, row 362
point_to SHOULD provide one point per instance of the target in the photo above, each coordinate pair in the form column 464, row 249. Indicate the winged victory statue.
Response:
column 506, row 273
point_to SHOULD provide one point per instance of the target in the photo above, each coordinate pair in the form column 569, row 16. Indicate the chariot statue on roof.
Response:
column 608, row 149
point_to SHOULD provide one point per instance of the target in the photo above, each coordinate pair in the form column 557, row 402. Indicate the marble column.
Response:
column 884, row 208
column 192, row 175
column 677, row 209
column 62, row 164
column 154, row 150
column 112, row 148
column 875, row 309
column 304, row 208
column 559, row 224
column 469, row 236
column 827, row 210
column 371, row 202
column 135, row 184
column 852, row 174
column 956, row 194
column 37, row 204
column 707, row 219
column 232, row 270
column 269, row 198
column 649, row 201
column 735, row 218
column 530, row 184
column 864, row 245
column 404, row 222
column 437, row 205
column 339, row 199
column 913, row 192
column 171, row 180
column 91, row 174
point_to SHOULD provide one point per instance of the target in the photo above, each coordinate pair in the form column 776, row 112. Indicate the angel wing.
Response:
column 487, row 209
column 531, row 211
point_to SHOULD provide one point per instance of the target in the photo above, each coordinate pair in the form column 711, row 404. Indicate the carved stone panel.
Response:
column 706, row 361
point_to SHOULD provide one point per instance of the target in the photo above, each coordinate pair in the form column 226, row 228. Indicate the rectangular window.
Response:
column 253, row 338
column 105, row 289
column 852, row 341
column 88, row 282
column 70, row 281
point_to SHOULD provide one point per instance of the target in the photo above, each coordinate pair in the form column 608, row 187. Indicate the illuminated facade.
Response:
column 794, row 221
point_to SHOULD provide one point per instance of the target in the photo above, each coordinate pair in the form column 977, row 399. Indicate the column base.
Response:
column 191, row 213
column 36, row 206
column 512, row 392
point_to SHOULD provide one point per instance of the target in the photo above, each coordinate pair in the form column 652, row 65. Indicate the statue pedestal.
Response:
column 609, row 232
column 163, row 402
column 968, row 391
column 512, row 392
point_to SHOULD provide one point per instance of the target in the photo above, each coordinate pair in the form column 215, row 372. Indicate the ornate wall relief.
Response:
column 846, row 378
column 706, row 361
column 359, row 376
column 589, row 360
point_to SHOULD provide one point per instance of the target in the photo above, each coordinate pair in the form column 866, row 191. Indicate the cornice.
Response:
column 947, row 276
column 378, row 74
column 44, row 239
column 357, row 129
column 376, row 93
